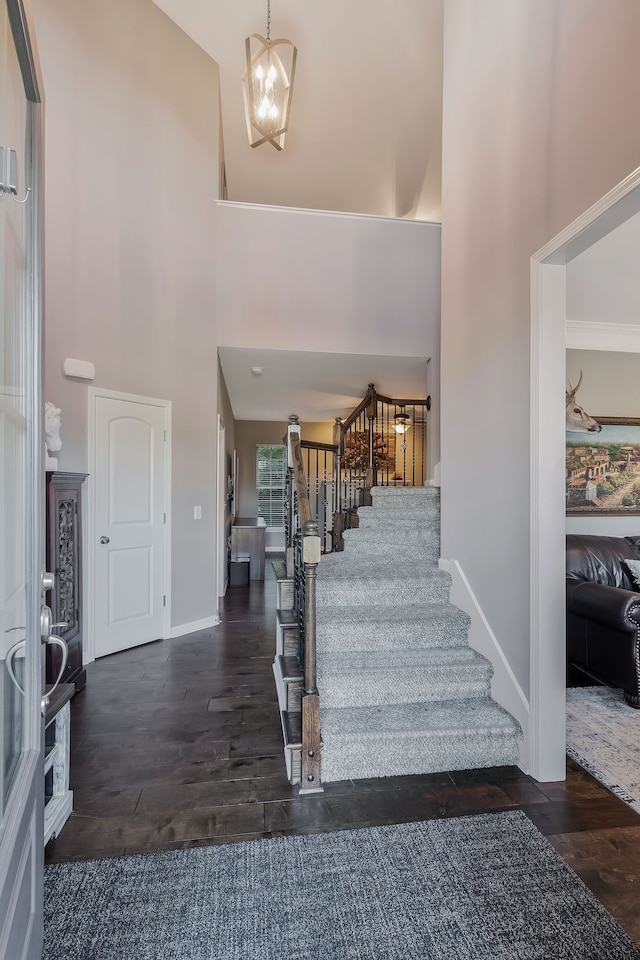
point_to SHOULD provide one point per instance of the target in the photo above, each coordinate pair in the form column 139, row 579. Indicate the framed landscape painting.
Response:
column 603, row 469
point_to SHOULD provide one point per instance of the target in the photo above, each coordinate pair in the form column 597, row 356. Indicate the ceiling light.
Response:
column 267, row 83
column 401, row 422
column 256, row 371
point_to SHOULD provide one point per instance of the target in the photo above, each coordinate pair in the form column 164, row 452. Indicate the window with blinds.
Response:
column 271, row 479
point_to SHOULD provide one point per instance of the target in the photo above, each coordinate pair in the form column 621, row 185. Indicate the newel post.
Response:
column 371, row 414
column 311, row 782
column 338, row 517
column 294, row 426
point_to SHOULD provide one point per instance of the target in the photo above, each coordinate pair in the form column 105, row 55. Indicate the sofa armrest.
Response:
column 611, row 606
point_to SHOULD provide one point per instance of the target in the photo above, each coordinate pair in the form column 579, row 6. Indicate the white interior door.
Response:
column 130, row 521
column 21, row 501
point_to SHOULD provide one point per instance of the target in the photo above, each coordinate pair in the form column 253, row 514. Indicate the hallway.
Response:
column 178, row 744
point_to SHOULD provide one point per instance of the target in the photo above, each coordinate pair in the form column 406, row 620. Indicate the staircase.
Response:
column 401, row 691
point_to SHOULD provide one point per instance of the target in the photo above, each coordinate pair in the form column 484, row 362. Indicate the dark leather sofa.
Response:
column 603, row 611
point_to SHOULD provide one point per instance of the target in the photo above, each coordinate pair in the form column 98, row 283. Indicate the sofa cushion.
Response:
column 633, row 566
column 600, row 559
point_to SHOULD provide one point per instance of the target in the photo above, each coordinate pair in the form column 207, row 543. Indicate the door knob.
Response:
column 45, row 623
column 104, row 539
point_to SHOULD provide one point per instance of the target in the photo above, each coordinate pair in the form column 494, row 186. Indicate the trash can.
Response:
column 239, row 575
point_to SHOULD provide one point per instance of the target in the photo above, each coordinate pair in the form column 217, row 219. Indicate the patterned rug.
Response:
column 603, row 736
column 472, row 888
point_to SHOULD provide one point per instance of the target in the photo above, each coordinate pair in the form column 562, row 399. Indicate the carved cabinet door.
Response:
column 64, row 556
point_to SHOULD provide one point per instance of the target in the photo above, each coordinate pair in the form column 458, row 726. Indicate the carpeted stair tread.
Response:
column 370, row 723
column 401, row 518
column 407, row 676
column 378, row 542
column 416, row 738
column 364, row 583
column 459, row 657
column 378, row 626
column 343, row 565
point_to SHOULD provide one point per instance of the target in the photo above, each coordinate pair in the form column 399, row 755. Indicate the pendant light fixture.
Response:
column 401, row 421
column 267, row 83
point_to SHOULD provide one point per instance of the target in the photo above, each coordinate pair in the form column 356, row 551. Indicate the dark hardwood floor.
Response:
column 178, row 744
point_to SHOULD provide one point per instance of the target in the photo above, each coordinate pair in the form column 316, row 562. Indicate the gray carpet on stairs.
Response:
column 401, row 691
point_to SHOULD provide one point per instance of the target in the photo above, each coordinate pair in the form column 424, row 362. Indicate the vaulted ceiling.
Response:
column 365, row 137
column 365, row 134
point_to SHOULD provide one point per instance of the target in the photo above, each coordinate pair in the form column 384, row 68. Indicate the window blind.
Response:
column 271, row 479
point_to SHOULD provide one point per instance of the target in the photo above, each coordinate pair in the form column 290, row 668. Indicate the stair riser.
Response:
column 379, row 548
column 284, row 596
column 411, row 494
column 400, row 687
column 377, row 534
column 398, row 593
column 410, row 516
column 399, row 636
column 353, row 758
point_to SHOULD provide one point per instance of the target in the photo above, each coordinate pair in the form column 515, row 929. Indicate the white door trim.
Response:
column 89, row 554
column 547, row 452
column 221, row 502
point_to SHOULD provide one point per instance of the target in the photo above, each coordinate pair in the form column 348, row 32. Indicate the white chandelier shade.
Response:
column 267, row 83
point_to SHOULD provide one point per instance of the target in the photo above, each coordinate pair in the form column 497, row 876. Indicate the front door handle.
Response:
column 21, row 645
column 45, row 622
column 104, row 540
column 58, row 642
column 11, row 653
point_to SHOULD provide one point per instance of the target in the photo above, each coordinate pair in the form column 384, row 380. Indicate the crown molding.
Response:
column 618, row 337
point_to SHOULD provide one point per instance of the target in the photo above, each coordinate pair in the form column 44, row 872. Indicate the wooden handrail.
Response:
column 353, row 416
column 304, row 508
column 316, row 445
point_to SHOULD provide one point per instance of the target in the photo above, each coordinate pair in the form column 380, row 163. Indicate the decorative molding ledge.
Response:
column 337, row 214
column 619, row 337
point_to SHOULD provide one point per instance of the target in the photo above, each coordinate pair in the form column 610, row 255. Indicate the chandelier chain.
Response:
column 268, row 19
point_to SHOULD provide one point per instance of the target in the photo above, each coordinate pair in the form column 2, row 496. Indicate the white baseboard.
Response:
column 183, row 628
column 505, row 689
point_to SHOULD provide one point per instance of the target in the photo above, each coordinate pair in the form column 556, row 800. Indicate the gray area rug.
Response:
column 468, row 888
column 603, row 736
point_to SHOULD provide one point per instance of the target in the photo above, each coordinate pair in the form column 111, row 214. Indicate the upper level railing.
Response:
column 383, row 442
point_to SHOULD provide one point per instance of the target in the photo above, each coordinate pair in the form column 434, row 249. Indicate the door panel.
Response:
column 130, row 529
column 21, row 502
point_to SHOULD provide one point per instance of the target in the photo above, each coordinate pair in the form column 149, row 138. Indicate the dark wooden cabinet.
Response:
column 64, row 560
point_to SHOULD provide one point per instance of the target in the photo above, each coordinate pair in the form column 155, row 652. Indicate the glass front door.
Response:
column 21, row 521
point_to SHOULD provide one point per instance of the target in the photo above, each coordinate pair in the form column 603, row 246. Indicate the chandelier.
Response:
column 267, row 83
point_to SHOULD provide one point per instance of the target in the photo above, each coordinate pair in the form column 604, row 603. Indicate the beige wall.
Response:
column 132, row 167
column 533, row 134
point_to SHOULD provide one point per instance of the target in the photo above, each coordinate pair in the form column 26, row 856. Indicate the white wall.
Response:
column 532, row 136
column 603, row 283
column 311, row 281
column 132, row 166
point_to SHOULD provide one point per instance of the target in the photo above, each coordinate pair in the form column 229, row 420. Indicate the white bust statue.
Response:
column 52, row 424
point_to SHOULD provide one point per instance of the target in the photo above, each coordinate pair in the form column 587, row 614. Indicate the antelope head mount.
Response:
column 578, row 420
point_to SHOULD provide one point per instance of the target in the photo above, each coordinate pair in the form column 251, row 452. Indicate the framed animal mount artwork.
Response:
column 603, row 468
